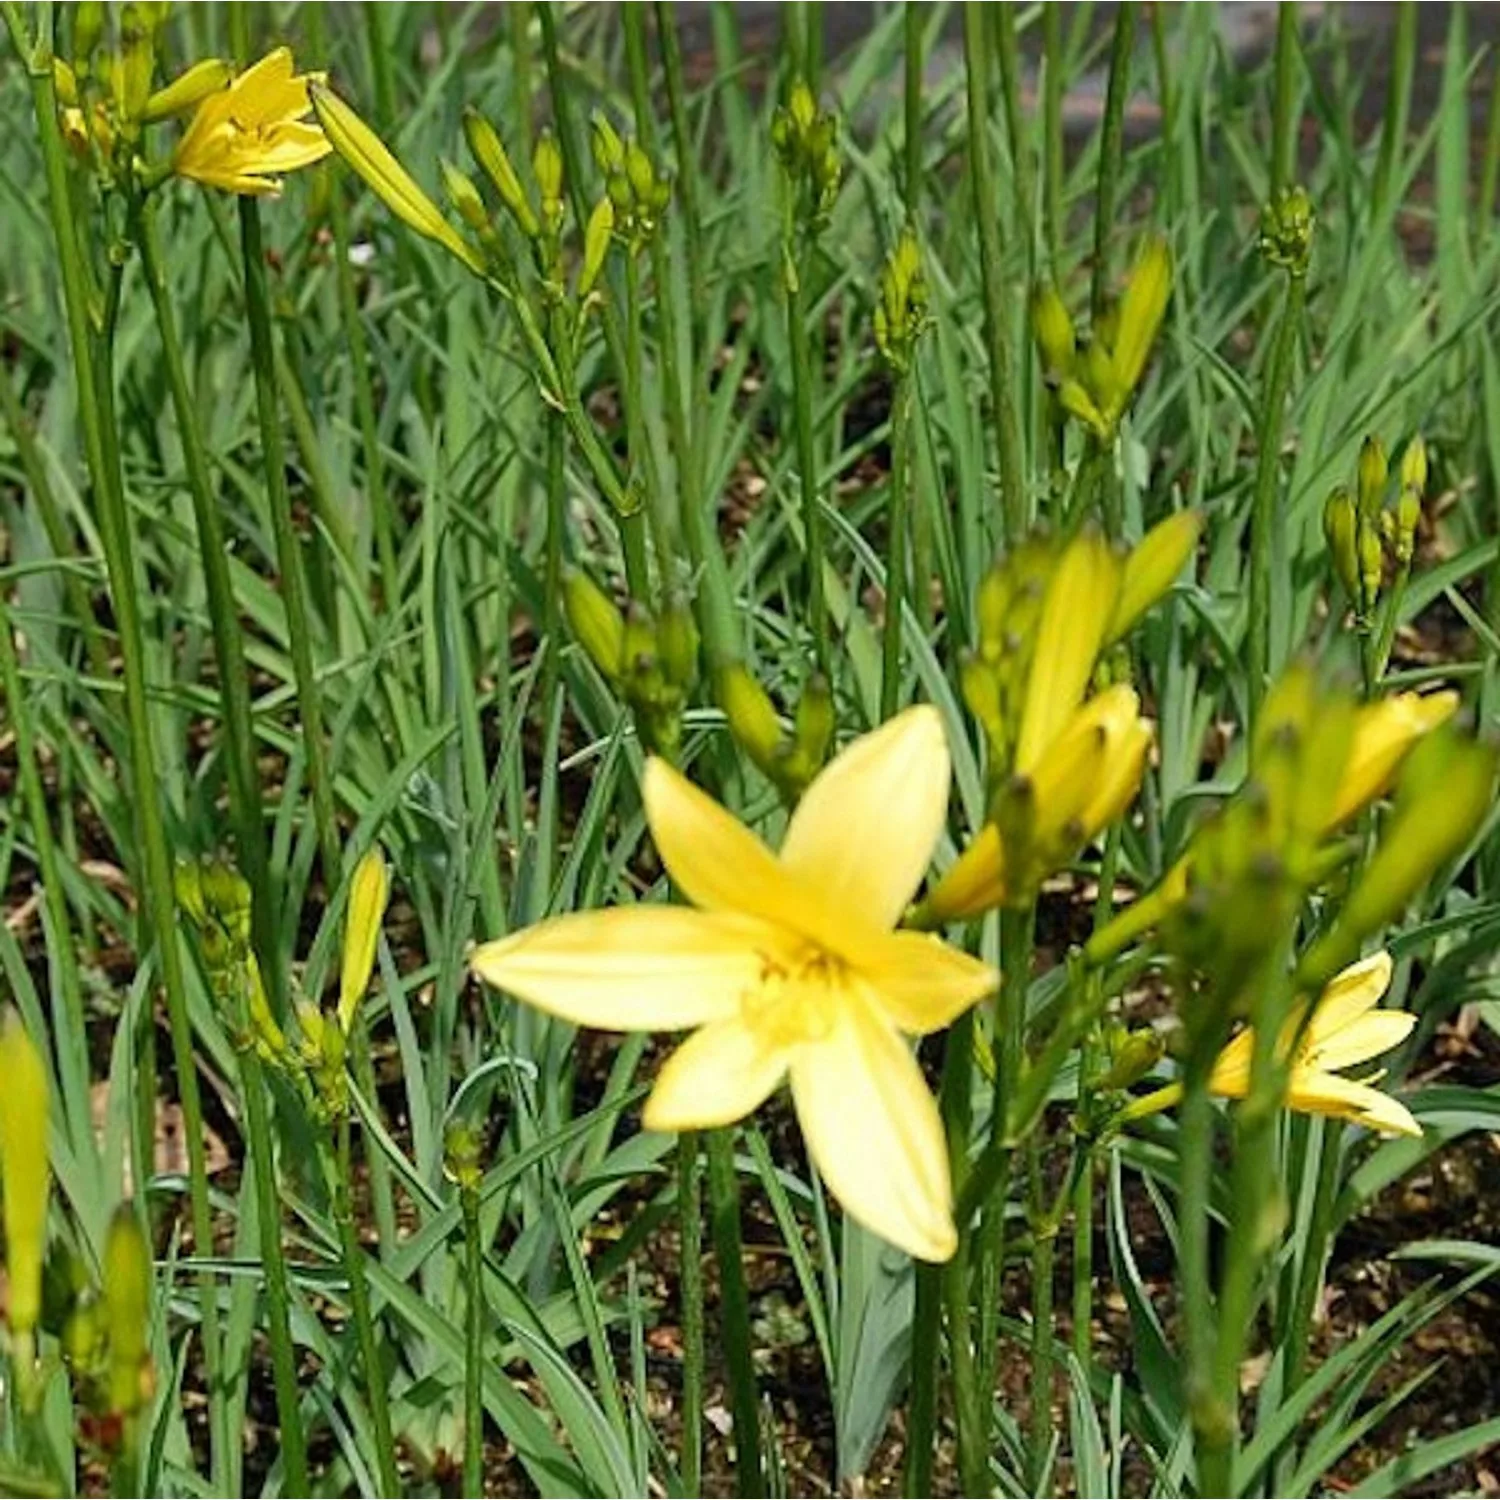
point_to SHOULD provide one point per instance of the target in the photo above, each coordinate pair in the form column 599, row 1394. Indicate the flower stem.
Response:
column 803, row 400
column 914, row 20
column 1053, row 174
column 359, row 1304
column 278, row 1300
column 229, row 645
column 1264, row 520
column 1111, row 154
column 101, row 453
column 734, row 1312
column 690, row 1223
column 1043, row 1265
column 987, row 214
column 474, row 1307
column 1283, row 126
column 897, row 525
column 288, row 555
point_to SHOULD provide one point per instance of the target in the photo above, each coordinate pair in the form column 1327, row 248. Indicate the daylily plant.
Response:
column 1344, row 1030
column 788, row 968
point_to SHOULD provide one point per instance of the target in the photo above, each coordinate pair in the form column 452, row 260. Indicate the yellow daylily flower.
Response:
column 789, row 968
column 1344, row 1030
column 1384, row 733
column 243, row 138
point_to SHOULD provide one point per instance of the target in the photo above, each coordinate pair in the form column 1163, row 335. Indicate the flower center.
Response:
column 793, row 1002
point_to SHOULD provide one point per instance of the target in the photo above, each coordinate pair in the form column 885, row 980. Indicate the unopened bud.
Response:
column 547, row 168
column 609, row 149
column 127, row 1311
column 596, row 241
column 1053, row 330
column 464, row 196
column 1371, row 565
column 751, row 714
column 1374, row 469
column 1408, row 517
column 1132, row 1056
column 1286, row 230
column 489, row 151
column 597, row 623
column 813, row 730
column 1339, row 526
column 1414, row 466
column 677, row 642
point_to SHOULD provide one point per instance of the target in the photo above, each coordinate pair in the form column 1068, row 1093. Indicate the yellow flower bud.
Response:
column 127, row 1312
column 1371, row 565
column 677, row 641
column 369, row 890
column 1132, row 1056
column 373, row 162
column 24, row 1170
column 187, row 90
column 1140, row 314
column 547, row 168
column 1408, row 517
column 597, row 237
column 813, row 730
column 1151, row 568
column 464, row 196
column 609, row 149
column 596, row 622
column 1053, row 330
column 486, row 148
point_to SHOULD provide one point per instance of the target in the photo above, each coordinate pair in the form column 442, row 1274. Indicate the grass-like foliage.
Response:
column 740, row 765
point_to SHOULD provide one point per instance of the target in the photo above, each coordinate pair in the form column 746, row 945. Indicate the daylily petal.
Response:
column 1344, row 1099
column 1383, row 734
column 722, row 866
column 1075, row 614
column 1119, row 777
column 634, row 968
column 1152, row 566
column 920, row 983
column 873, row 1131
column 1230, row 1078
column 973, row 883
column 1347, row 996
column 1361, row 1039
column 864, row 831
column 717, row 1076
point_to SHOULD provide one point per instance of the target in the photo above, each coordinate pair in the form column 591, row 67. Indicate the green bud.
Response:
column 1286, row 230
column 1408, row 518
column 462, row 1156
column 1140, row 313
column 641, row 660
column 641, row 174
column 88, row 28
column 1414, row 466
column 596, row 622
column 596, row 242
column 127, row 1311
column 751, row 714
column 464, row 196
column 608, row 148
column 677, row 641
column 1371, row 565
column 1052, row 329
column 1339, row 528
column 1132, row 1056
column 487, row 149
column 1374, row 470
column 992, row 612
column 547, row 168
column 813, row 730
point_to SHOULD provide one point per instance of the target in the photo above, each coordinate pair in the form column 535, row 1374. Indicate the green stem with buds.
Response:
column 473, row 1480
column 896, row 545
column 803, row 400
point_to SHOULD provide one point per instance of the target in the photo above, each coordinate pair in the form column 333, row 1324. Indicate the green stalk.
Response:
column 896, row 545
column 914, row 19
column 641, row 477
column 1263, row 515
column 359, row 1305
column 1283, row 124
column 68, row 1018
column 523, row 86
column 293, row 1439
column 1111, row 154
column 803, row 399
column 690, row 1224
column 1314, row 1257
column 971, row 1402
column 1489, row 168
column 1043, row 1266
column 1017, row 936
column 1052, row 133
column 734, row 1312
column 1015, row 509
column 288, row 549
column 229, row 644
column 473, row 1479
column 683, row 145
column 921, row 1400
column 101, row 452
column 380, row 66
column 1008, row 56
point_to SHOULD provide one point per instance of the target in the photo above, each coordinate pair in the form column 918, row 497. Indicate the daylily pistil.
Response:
column 789, row 968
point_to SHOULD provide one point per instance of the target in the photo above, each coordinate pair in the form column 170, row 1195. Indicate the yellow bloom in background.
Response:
column 24, row 1174
column 788, row 968
column 1345, row 1029
column 1070, row 766
column 245, row 137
